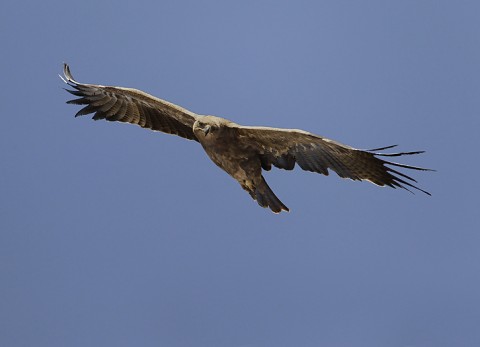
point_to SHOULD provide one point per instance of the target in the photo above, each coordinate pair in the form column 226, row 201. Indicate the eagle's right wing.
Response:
column 131, row 106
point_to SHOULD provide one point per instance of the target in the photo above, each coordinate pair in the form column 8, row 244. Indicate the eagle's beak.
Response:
column 206, row 129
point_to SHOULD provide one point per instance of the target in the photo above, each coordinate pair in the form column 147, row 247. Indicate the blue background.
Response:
column 112, row 235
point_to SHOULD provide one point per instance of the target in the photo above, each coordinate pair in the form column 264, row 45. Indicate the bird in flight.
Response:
column 242, row 151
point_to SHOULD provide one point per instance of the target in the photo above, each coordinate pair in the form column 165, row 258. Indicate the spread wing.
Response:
column 130, row 106
column 283, row 148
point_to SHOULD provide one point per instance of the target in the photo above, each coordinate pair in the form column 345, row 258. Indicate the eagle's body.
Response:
column 241, row 151
column 234, row 154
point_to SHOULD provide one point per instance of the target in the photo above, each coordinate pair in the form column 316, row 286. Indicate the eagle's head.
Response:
column 209, row 125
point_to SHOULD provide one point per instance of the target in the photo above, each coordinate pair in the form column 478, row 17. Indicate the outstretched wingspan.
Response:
column 283, row 148
column 131, row 106
column 243, row 151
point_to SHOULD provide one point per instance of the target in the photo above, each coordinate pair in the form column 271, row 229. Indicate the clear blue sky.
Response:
column 112, row 235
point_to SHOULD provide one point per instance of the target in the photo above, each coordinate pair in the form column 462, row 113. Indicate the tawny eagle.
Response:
column 242, row 151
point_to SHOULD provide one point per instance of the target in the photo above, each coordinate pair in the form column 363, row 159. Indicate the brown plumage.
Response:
column 242, row 151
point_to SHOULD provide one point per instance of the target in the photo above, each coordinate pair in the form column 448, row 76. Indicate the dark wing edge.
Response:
column 394, row 180
column 132, row 106
column 283, row 148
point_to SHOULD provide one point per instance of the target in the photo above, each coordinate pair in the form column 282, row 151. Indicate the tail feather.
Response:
column 265, row 197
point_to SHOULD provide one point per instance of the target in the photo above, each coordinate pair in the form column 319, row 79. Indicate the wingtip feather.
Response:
column 381, row 148
column 67, row 76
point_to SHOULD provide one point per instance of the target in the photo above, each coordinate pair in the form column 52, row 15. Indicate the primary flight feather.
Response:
column 242, row 151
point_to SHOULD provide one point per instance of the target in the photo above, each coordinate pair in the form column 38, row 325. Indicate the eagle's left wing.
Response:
column 285, row 147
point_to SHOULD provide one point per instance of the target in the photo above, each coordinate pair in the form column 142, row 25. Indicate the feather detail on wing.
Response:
column 130, row 106
column 283, row 148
